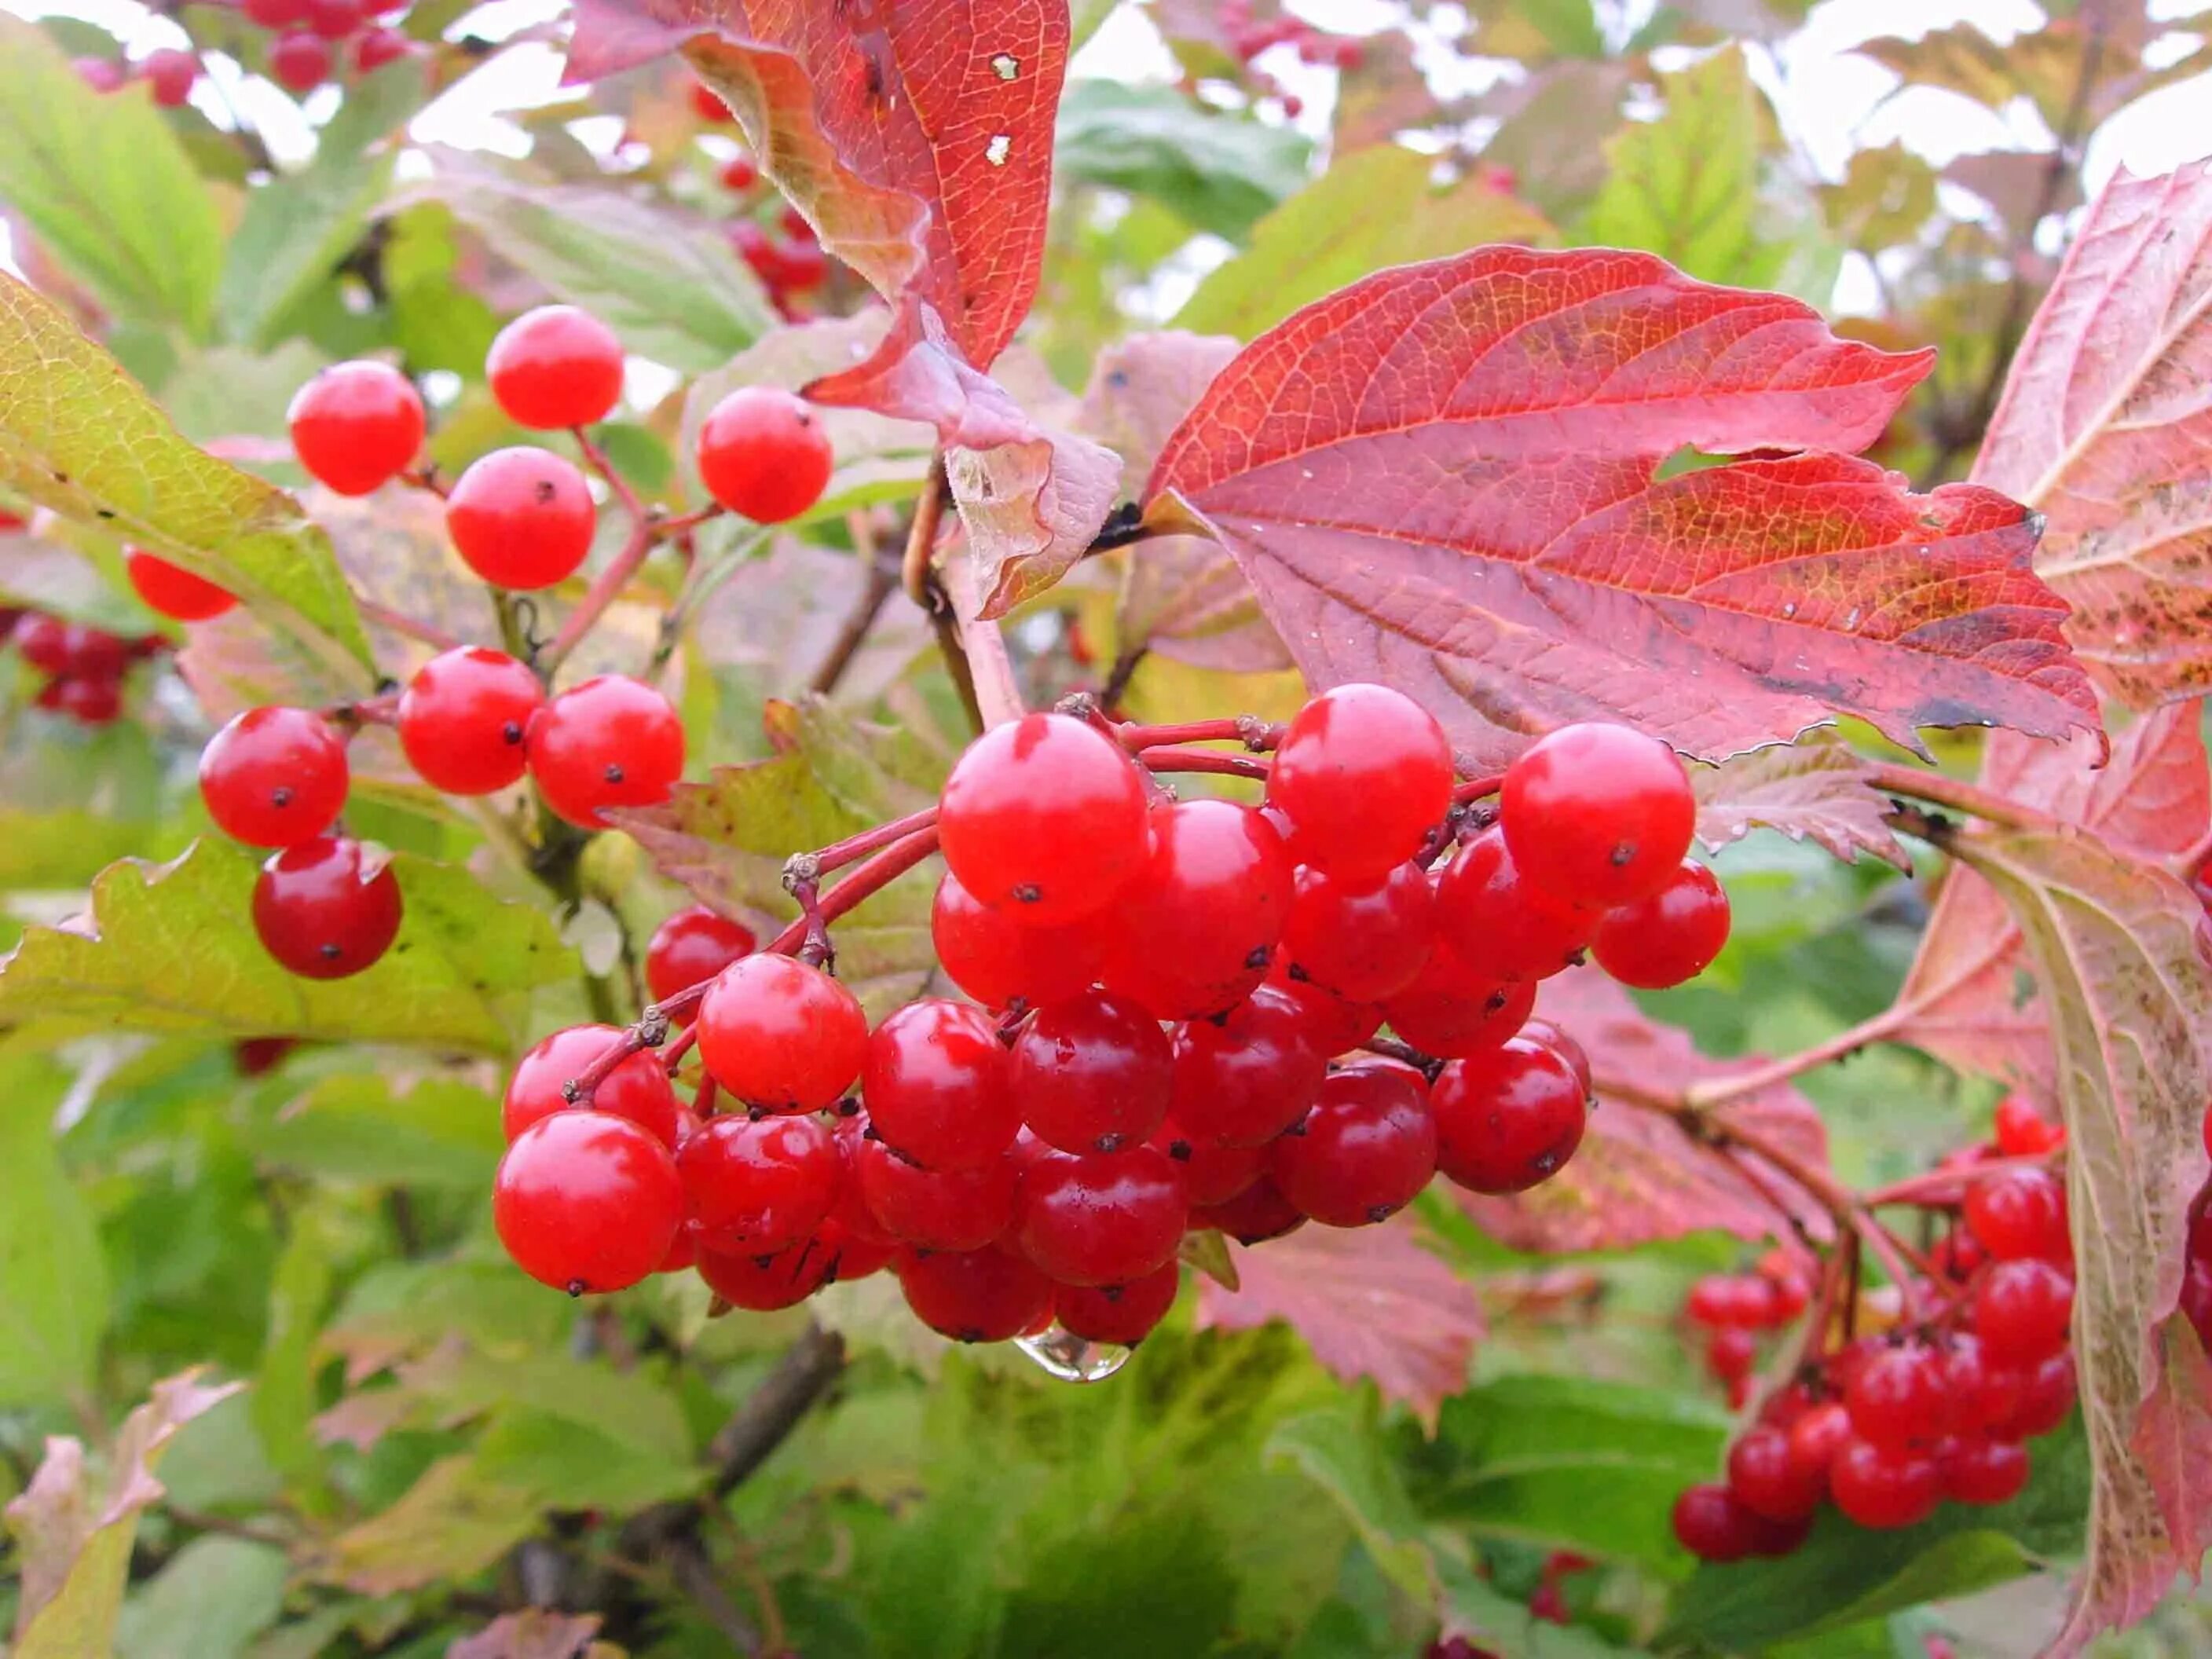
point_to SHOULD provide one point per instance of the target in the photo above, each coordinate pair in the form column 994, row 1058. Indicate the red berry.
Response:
column 2046, row 1396
column 796, row 225
column 1364, row 774
column 1560, row 1043
column 759, row 1186
column 521, row 517
column 333, row 19
column 583, row 1202
column 777, row 1033
column 938, row 1085
column 173, row 591
column 1768, row 1481
column 1978, row 1394
column 707, row 103
column 555, row 366
column 1195, row 929
column 637, row 1089
column 1733, row 1301
column 2018, row 1214
column 1507, row 1120
column 1730, row 1353
column 988, row 1295
column 1884, row 1487
column 91, row 653
column 1501, row 924
column 1256, row 1215
column 2023, row 1131
column 275, row 14
column 257, row 1056
column 356, row 425
column 1453, row 1012
column 1982, row 1471
column 88, row 702
column 1598, row 814
column 1044, row 818
column 1814, row 1440
column 274, row 777
column 464, row 717
column 692, row 945
column 1101, row 1220
column 1333, row 1025
column 1362, row 1154
column 1212, row 1173
column 299, row 62
column 1896, row 1397
column 1668, row 937
column 999, row 957
column 1712, row 1523
column 937, row 1209
column 740, row 172
column 762, row 453
column 170, row 72
column 612, row 741
column 762, row 1282
column 1118, row 1313
column 44, row 642
column 2021, row 1311
column 319, row 915
column 1242, row 1079
column 803, row 265
column 1362, row 941
column 102, row 75
column 372, row 50
column 1092, row 1073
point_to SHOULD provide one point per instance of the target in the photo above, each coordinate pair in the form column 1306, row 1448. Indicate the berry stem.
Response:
column 1478, row 788
column 983, row 648
column 1704, row 1097
column 380, row 614
column 703, row 583
column 605, row 587
column 1254, row 733
column 595, row 458
column 1939, row 790
column 425, row 478
column 877, row 873
column 1233, row 766
column 678, row 1046
column 838, row 854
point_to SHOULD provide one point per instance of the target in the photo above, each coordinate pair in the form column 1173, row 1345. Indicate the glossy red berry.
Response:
column 739, row 174
column 2023, row 1131
column 779, row 1034
column 1598, row 814
column 275, row 14
column 1732, row 1301
column 1331, row 1024
column 1713, row 1524
column 1090, row 1073
column 464, row 720
column 764, row 454
column 1362, row 941
column 299, row 62
column 1501, row 924
column 1118, row 1313
column 1884, row 1487
column 1977, row 1469
column 1453, row 1012
column 999, row 957
column 1815, row 1438
column 1242, row 1079
column 2017, row 1213
column 707, row 103
column 612, row 741
column 88, row 702
column 555, row 366
column 988, row 1295
column 316, row 913
column 693, row 945
column 1508, row 1119
column 1101, row 1220
column 1212, row 1173
column 1668, row 937
column 333, row 19
column 373, row 48
column 1768, row 1481
column 937, row 1209
column 759, row 1186
column 1045, row 819
column 1978, row 1394
column 1896, row 1395
column 763, row 1281
column 356, row 425
column 2021, row 1311
column 1195, row 929
column 585, row 1201
column 1363, row 774
column 172, row 591
column 1363, row 1153
column 521, row 517
column 1730, row 1353
column 2045, row 1397
column 637, row 1089
column 1254, row 1216
column 938, row 1085
column 170, row 72
column 274, row 777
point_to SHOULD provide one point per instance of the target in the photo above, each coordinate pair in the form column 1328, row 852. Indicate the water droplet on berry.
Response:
column 1070, row 1359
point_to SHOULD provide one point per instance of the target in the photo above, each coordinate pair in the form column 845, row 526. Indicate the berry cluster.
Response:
column 787, row 256
column 1171, row 1002
column 1733, row 1310
column 170, row 73
column 310, row 33
column 80, row 668
column 1887, row 1427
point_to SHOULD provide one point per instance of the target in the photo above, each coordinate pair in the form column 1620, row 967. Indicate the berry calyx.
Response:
column 1507, row 1120
column 317, row 913
column 692, row 944
column 941, row 1087
column 610, row 741
column 1362, row 1154
column 778, row 1034
column 763, row 1282
column 1668, row 937
column 587, row 1202
column 1101, row 1220
column 757, row 1187
column 172, row 591
column 637, row 1089
column 274, row 777
column 762, row 453
column 521, row 517
column 465, row 719
column 355, row 425
column 1212, row 1173
column 557, row 366
column 1363, row 774
column 1598, row 814
column 1092, row 1073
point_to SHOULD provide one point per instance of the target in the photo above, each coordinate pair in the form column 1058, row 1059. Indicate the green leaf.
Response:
column 669, row 287
column 78, row 435
column 571, row 1464
column 1345, row 1459
column 283, row 1400
column 176, row 951
column 447, row 1528
column 105, row 187
column 1219, row 171
column 399, row 1308
column 357, row 1127
column 53, row 1284
column 297, row 227
column 211, row 1598
column 453, row 1383
column 1375, row 208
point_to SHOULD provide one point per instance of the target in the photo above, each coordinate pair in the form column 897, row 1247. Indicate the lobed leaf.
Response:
column 1815, row 789
column 1446, row 478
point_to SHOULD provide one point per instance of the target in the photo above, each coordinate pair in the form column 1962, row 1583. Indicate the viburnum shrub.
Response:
column 651, row 880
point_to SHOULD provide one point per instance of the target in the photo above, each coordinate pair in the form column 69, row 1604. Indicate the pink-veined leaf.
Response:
column 1968, row 998
column 1371, row 1302
column 1814, row 790
column 1446, row 478
column 1639, row 1177
column 2104, row 429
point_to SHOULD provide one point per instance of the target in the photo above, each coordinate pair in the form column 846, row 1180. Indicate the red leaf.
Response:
column 1967, row 999
column 1816, row 789
column 1370, row 1302
column 1445, row 476
column 2104, row 429
column 1639, row 1177
column 917, row 136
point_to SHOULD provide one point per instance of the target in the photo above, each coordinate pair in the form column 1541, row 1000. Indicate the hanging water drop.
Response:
column 1071, row 1359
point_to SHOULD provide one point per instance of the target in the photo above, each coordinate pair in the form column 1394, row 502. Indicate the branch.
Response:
column 1917, row 784
column 805, row 1374
column 380, row 614
column 603, row 592
column 595, row 458
column 880, row 582
column 1718, row 1092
